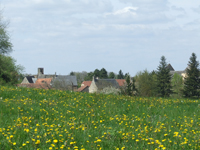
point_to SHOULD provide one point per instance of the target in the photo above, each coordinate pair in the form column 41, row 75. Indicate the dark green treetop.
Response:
column 111, row 75
column 164, row 87
column 192, row 79
column 120, row 75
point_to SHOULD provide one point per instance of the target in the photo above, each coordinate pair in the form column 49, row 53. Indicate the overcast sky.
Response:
column 83, row 35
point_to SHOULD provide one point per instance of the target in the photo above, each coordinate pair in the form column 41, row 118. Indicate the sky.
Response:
column 83, row 35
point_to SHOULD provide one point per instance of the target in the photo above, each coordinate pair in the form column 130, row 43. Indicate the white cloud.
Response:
column 88, row 34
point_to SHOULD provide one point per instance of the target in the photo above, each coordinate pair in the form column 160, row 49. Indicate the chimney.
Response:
column 40, row 72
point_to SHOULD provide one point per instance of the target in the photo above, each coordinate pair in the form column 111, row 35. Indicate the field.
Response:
column 51, row 119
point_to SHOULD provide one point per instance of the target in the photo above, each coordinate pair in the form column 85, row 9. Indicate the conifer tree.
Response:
column 192, row 79
column 120, row 75
column 164, row 87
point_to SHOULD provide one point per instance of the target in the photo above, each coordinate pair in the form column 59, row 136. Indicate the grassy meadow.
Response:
column 34, row 119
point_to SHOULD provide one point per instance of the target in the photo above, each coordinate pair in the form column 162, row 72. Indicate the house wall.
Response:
column 25, row 81
column 93, row 88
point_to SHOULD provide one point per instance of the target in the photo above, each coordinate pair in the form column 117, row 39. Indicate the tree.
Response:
column 111, row 75
column 103, row 74
column 192, row 79
column 146, row 83
column 89, row 76
column 120, row 75
column 10, row 73
column 72, row 73
column 164, row 87
column 5, row 44
column 97, row 73
column 177, row 85
column 129, row 88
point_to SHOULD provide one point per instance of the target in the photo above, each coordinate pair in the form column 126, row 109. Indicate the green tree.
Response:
column 146, row 83
column 103, row 73
column 192, row 79
column 128, row 85
column 72, row 73
column 10, row 73
column 89, row 76
column 164, row 87
column 177, row 85
column 111, row 75
column 120, row 75
column 5, row 44
column 97, row 73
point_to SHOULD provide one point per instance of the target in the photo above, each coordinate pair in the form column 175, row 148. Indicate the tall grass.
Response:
column 52, row 119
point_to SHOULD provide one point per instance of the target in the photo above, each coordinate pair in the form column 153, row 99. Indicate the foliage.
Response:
column 10, row 73
column 103, row 74
column 110, row 90
column 111, row 75
column 80, row 76
column 72, row 73
column 53, row 119
column 192, row 80
column 164, row 87
column 129, row 87
column 120, row 75
column 177, row 85
column 146, row 83
column 5, row 44
column 89, row 76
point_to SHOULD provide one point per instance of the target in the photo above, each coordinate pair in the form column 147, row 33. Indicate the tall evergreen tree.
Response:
column 164, row 87
column 120, row 75
column 192, row 80
column 128, row 86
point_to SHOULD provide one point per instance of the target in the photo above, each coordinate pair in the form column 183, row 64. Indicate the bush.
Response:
column 110, row 90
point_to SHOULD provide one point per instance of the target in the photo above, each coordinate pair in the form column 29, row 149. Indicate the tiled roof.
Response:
column 82, row 88
column 88, row 83
column 43, row 81
column 121, row 82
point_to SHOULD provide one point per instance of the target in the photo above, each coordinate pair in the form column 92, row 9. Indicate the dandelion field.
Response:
column 51, row 119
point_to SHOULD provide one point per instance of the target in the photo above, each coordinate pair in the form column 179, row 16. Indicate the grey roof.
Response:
column 66, row 79
column 102, row 83
column 169, row 66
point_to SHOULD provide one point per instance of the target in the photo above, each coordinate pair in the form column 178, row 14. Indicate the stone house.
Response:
column 172, row 71
column 86, row 84
column 100, row 84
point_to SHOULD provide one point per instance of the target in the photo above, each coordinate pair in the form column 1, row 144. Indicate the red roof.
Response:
column 43, row 81
column 88, row 83
column 121, row 82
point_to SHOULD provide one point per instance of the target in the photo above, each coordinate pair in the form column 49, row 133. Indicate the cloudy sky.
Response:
column 83, row 35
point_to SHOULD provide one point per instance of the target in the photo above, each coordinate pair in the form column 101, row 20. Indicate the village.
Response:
column 69, row 82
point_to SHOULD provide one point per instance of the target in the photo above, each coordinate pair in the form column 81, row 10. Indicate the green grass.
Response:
column 52, row 119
